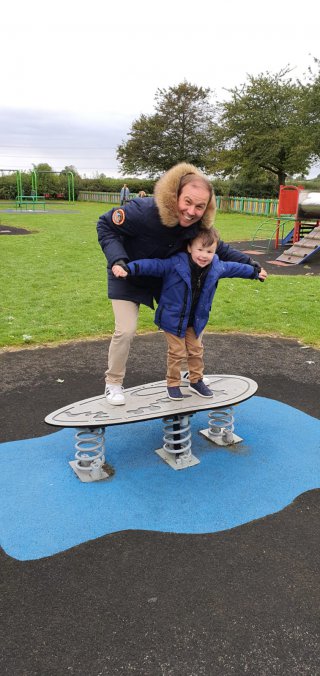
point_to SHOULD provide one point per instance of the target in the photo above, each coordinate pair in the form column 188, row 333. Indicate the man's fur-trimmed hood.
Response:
column 166, row 191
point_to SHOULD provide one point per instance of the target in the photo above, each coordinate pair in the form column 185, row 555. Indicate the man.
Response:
column 124, row 194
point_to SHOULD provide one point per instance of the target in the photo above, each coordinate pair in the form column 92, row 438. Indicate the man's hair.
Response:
column 208, row 236
column 195, row 179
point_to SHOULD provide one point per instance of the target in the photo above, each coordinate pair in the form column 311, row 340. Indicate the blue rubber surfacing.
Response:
column 46, row 509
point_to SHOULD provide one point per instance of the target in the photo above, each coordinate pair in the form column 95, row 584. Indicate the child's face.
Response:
column 200, row 253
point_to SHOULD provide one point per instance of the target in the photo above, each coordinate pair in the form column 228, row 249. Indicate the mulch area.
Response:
column 10, row 230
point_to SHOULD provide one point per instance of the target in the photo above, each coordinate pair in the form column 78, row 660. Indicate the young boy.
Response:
column 189, row 284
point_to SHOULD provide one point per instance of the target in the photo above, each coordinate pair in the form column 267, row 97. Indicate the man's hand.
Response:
column 118, row 271
column 262, row 275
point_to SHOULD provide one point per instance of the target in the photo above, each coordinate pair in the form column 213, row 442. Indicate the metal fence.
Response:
column 244, row 205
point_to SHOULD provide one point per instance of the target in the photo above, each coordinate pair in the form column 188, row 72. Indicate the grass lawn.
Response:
column 53, row 284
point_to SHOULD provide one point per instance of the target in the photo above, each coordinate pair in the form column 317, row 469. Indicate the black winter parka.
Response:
column 149, row 228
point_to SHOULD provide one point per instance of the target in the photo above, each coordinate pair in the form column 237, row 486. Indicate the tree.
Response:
column 312, row 108
column 43, row 166
column 71, row 168
column 261, row 127
column 180, row 130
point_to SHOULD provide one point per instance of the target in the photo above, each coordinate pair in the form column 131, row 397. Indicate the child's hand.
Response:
column 262, row 275
column 118, row 271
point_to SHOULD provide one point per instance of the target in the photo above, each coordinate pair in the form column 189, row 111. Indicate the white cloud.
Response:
column 75, row 77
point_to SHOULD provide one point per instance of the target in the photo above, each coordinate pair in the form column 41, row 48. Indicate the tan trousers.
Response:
column 126, row 319
column 177, row 349
column 126, row 315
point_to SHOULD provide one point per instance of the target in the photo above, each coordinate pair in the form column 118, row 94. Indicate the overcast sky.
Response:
column 74, row 76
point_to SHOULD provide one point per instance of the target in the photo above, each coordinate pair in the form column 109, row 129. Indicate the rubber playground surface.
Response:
column 209, row 570
column 264, row 252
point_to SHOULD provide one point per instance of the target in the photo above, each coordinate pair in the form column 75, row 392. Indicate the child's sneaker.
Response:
column 174, row 393
column 185, row 378
column 114, row 394
column 201, row 389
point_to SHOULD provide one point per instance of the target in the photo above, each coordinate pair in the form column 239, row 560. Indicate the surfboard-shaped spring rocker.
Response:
column 92, row 416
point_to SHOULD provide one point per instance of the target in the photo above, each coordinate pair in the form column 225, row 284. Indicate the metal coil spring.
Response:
column 221, row 424
column 177, row 434
column 89, row 446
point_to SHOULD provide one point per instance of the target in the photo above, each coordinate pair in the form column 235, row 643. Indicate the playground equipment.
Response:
column 91, row 416
column 300, row 209
column 273, row 229
column 305, row 233
column 70, row 181
column 21, row 200
column 33, row 201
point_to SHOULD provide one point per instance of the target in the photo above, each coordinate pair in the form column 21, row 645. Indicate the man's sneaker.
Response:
column 174, row 393
column 185, row 378
column 114, row 394
column 201, row 389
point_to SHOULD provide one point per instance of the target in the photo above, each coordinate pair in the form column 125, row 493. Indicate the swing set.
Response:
column 34, row 200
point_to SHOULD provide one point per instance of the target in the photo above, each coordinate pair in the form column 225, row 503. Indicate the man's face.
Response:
column 201, row 253
column 192, row 204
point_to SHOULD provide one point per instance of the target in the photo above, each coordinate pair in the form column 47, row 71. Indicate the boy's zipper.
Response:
column 182, row 316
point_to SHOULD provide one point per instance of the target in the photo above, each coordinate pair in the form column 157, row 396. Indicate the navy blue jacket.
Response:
column 136, row 231
column 173, row 311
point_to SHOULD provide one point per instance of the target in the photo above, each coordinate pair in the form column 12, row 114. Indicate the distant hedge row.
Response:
column 56, row 186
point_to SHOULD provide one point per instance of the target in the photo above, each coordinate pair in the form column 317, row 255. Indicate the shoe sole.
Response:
column 204, row 396
column 115, row 403
column 185, row 379
column 175, row 398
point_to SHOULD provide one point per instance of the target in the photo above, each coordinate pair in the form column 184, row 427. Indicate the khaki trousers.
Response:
column 126, row 318
column 126, row 314
column 177, row 350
